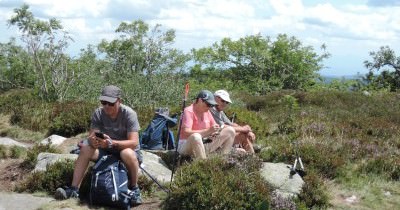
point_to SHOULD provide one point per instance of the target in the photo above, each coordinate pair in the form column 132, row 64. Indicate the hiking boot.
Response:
column 69, row 192
column 136, row 199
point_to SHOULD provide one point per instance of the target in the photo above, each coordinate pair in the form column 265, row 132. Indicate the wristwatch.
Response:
column 109, row 142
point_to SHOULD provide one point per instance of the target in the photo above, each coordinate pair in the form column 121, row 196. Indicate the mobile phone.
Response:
column 99, row 135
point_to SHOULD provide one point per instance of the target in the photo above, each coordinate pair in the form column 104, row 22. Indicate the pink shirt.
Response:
column 190, row 120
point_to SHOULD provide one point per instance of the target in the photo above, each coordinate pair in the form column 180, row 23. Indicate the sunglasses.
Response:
column 208, row 105
column 225, row 102
column 107, row 103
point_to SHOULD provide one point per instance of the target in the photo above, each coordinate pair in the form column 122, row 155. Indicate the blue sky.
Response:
column 349, row 29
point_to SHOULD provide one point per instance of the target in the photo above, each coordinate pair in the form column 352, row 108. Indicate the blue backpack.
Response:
column 109, row 183
column 157, row 135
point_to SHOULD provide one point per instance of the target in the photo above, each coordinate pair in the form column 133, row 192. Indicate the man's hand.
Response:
column 214, row 130
column 246, row 129
column 97, row 142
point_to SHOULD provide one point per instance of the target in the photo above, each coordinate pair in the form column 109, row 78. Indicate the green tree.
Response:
column 261, row 64
column 143, row 61
column 387, row 64
column 46, row 43
column 15, row 69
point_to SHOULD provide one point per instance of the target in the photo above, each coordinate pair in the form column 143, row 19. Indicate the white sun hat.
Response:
column 224, row 95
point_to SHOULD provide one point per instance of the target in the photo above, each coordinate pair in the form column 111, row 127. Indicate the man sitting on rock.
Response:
column 120, row 126
column 244, row 137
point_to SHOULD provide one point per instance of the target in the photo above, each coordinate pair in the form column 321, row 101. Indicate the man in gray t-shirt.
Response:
column 244, row 136
column 116, row 126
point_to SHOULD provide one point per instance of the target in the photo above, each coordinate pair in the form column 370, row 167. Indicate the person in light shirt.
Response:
column 200, row 134
column 244, row 136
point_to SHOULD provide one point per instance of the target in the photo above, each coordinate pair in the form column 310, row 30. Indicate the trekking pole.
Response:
column 294, row 169
column 179, row 129
column 154, row 179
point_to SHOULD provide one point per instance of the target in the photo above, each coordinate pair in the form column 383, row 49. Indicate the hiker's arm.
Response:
column 131, row 142
column 242, row 129
column 204, row 132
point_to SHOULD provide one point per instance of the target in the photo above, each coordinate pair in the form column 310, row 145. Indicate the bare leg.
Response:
column 244, row 141
column 86, row 154
column 131, row 162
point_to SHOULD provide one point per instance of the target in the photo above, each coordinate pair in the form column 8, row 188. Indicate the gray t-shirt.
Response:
column 220, row 117
column 117, row 129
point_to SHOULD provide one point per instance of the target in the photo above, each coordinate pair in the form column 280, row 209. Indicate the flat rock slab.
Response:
column 11, row 142
column 156, row 167
column 45, row 159
column 17, row 201
column 278, row 175
column 54, row 140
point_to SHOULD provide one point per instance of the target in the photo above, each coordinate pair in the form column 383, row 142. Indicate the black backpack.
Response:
column 157, row 135
column 109, row 183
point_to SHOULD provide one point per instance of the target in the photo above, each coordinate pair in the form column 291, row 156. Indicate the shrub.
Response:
column 314, row 193
column 31, row 156
column 70, row 119
column 218, row 183
column 147, row 186
column 57, row 175
column 254, row 119
column 17, row 152
column 278, row 202
column 322, row 157
column 387, row 166
column 3, row 151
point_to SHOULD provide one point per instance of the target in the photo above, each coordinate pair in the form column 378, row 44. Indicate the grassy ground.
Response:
column 350, row 140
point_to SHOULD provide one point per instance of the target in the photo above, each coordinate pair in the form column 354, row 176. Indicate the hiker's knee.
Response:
column 195, row 138
column 87, row 151
column 128, row 154
column 229, row 130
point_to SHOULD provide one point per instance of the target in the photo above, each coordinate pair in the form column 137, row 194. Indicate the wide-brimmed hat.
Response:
column 110, row 94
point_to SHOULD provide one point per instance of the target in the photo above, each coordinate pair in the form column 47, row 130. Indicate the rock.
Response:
column 351, row 199
column 366, row 93
column 10, row 142
column 45, row 158
column 156, row 167
column 22, row 201
column 54, row 140
column 278, row 175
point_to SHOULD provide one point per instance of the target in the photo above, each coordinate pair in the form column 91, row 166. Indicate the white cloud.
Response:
column 71, row 8
column 351, row 27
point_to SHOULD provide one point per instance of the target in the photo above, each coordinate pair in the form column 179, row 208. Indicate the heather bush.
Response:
column 314, row 193
column 386, row 166
column 31, row 156
column 57, row 175
column 17, row 152
column 219, row 183
column 71, row 118
column 3, row 151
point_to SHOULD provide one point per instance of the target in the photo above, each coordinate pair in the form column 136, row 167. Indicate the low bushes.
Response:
column 57, row 175
column 13, row 152
column 218, row 183
column 31, row 156
column 71, row 118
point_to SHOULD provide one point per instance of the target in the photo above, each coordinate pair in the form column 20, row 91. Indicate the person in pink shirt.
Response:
column 198, row 125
